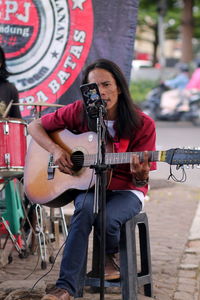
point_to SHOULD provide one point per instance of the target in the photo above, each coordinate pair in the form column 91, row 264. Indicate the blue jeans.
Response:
column 120, row 207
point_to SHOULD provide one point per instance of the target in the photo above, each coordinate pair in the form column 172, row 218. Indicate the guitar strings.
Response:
column 80, row 160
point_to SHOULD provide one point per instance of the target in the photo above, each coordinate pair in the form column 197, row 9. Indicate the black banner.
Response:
column 48, row 42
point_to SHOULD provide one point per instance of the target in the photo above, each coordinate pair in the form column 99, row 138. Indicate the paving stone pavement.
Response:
column 174, row 218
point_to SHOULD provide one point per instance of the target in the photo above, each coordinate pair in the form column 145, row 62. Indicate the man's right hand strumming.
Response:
column 60, row 156
column 62, row 159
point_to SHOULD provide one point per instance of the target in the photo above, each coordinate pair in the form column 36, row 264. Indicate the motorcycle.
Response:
column 180, row 113
column 151, row 106
column 193, row 114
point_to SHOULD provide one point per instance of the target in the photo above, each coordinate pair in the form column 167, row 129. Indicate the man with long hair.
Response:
column 128, row 130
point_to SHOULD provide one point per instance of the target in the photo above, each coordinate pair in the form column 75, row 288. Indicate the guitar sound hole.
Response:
column 78, row 159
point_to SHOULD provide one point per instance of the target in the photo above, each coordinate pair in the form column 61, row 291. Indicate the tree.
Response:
column 182, row 22
column 187, row 27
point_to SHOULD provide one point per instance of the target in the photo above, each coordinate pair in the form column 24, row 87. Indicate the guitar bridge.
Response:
column 51, row 168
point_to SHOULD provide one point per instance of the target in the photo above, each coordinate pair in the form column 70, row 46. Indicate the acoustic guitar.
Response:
column 45, row 184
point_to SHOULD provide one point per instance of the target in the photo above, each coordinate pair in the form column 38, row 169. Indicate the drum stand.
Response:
column 13, row 239
column 44, row 235
column 38, row 228
column 11, row 215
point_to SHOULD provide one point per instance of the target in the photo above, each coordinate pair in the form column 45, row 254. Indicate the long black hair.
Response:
column 4, row 73
column 128, row 119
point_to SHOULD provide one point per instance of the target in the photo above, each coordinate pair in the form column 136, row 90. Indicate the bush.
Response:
column 140, row 88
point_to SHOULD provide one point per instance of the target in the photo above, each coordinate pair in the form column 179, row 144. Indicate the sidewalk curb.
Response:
column 195, row 228
column 188, row 286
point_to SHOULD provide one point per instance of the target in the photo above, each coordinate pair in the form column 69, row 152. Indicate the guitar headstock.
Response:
column 178, row 156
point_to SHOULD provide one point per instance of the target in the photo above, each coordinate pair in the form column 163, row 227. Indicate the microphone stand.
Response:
column 100, row 190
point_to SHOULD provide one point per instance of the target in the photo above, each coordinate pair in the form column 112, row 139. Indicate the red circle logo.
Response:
column 46, row 44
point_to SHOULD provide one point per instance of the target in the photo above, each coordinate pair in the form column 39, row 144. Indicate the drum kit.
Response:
column 13, row 148
column 13, row 137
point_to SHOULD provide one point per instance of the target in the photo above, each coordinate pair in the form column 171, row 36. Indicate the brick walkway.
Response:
column 175, row 251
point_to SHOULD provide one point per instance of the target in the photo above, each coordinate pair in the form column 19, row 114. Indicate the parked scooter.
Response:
column 151, row 106
column 193, row 114
column 180, row 113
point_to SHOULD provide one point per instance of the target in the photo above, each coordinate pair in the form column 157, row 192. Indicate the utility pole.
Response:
column 162, row 9
column 187, row 29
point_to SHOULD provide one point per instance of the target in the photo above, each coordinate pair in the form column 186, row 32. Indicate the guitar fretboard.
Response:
column 121, row 158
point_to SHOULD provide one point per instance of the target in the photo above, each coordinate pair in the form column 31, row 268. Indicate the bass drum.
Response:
column 13, row 146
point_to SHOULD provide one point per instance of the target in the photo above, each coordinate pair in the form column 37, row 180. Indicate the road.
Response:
column 181, row 135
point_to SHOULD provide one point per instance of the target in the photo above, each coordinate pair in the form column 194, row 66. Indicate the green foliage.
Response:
column 196, row 20
column 140, row 88
column 173, row 16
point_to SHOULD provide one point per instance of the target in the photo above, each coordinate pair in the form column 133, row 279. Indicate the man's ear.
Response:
column 119, row 90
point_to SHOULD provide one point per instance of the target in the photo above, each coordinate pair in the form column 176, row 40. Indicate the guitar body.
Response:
column 60, row 190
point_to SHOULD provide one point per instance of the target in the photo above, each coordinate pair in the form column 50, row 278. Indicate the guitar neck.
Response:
column 123, row 158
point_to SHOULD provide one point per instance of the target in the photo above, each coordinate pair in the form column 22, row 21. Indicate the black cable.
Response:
column 44, row 275
column 50, row 268
column 37, row 262
column 172, row 176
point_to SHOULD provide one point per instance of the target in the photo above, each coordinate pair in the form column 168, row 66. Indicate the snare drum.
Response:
column 13, row 147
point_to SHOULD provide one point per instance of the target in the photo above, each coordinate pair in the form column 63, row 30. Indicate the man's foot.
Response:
column 56, row 293
column 112, row 269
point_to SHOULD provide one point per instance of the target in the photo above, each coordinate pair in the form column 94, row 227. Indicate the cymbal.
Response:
column 39, row 104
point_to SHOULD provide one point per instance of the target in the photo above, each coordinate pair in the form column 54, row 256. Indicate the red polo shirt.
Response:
column 71, row 117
